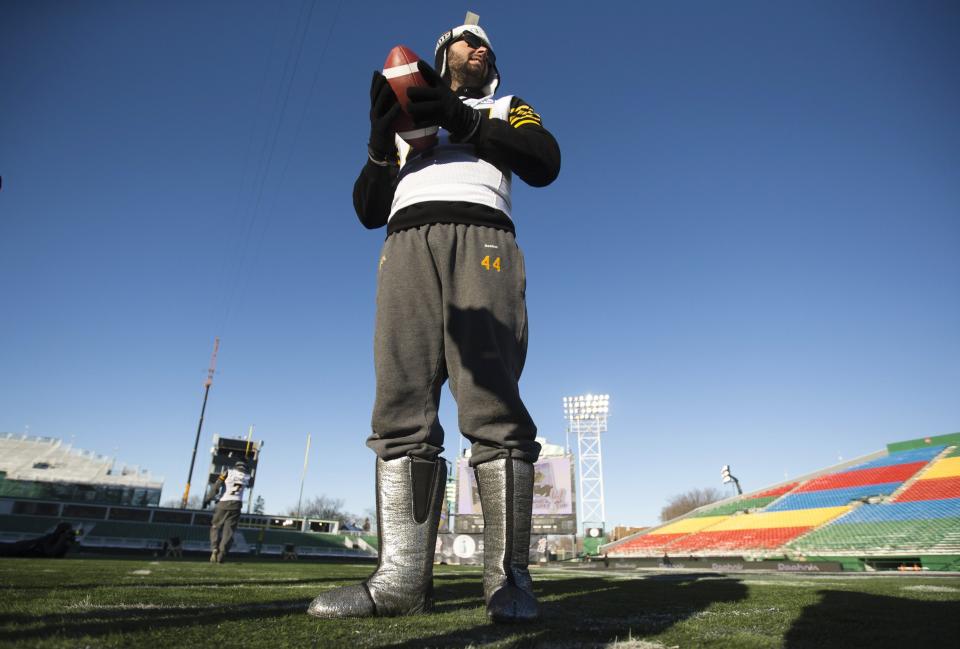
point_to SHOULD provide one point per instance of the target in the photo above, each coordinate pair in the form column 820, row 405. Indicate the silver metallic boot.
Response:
column 409, row 498
column 506, row 496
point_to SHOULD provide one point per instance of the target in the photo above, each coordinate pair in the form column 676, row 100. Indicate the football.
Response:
column 401, row 72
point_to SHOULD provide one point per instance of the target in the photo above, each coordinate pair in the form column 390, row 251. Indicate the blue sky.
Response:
column 752, row 245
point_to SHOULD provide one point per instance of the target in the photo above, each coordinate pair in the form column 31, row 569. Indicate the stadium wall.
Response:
column 112, row 529
column 953, row 439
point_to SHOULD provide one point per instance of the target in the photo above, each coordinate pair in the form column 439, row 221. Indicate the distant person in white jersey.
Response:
column 226, row 515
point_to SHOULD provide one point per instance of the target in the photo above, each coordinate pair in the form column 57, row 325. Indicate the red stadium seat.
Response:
column 736, row 540
column 861, row 477
column 932, row 489
column 648, row 544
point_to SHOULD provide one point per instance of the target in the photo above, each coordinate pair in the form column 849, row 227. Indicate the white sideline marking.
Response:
column 798, row 583
column 86, row 605
column 140, row 572
column 932, row 589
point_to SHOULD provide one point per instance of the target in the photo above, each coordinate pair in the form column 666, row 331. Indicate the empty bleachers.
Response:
column 16, row 528
column 831, row 497
column 923, row 455
column 748, row 502
column 724, row 542
column 916, row 526
column 656, row 541
column 904, row 501
column 748, row 533
column 931, row 489
column 283, row 537
column 129, row 535
column 862, row 477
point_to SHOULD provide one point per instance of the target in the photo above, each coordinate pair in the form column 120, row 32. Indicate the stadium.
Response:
column 847, row 551
column 414, row 227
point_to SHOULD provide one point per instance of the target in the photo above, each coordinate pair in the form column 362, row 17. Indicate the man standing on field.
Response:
column 450, row 305
column 226, row 515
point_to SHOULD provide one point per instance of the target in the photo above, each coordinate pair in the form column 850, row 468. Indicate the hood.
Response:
column 448, row 37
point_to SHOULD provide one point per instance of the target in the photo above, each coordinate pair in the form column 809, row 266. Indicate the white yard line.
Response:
column 932, row 589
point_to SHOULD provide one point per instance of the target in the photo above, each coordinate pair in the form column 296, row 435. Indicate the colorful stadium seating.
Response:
column 748, row 502
column 739, row 505
column 760, row 531
column 931, row 489
column 862, row 477
column 831, row 497
column 900, row 457
column 890, row 527
column 906, row 501
column 735, row 541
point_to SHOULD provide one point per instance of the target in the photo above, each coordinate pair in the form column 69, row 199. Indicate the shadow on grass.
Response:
column 114, row 620
column 575, row 610
column 587, row 610
column 215, row 583
column 845, row 619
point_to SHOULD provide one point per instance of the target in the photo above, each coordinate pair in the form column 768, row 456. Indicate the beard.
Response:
column 465, row 75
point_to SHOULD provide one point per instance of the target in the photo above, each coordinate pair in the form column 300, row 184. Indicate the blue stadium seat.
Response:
column 907, row 511
column 901, row 457
column 831, row 497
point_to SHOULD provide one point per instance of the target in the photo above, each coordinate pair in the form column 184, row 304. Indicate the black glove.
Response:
column 384, row 109
column 437, row 104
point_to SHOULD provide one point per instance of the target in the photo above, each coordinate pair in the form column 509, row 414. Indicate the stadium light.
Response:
column 728, row 477
column 586, row 406
column 586, row 415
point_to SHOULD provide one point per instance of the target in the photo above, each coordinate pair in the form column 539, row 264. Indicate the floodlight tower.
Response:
column 728, row 477
column 586, row 416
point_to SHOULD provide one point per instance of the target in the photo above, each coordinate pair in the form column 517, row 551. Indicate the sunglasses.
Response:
column 475, row 41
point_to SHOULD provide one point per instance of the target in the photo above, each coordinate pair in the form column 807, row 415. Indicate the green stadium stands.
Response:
column 940, row 535
column 29, row 525
column 149, row 531
column 299, row 539
column 737, row 506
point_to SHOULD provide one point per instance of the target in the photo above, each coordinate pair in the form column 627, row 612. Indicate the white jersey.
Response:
column 234, row 484
column 453, row 172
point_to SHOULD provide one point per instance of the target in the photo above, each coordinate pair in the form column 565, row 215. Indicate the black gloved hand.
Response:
column 437, row 104
column 384, row 109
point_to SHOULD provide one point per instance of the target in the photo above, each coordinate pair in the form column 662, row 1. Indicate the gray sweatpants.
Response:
column 226, row 517
column 451, row 304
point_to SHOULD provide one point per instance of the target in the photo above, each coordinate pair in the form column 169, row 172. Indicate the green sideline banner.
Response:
column 727, row 564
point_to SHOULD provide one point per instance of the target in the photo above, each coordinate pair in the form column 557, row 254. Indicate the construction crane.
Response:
column 203, row 409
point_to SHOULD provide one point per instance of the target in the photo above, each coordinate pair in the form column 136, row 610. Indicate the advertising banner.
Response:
column 552, row 488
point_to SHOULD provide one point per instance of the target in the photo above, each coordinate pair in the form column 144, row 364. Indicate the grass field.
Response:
column 143, row 603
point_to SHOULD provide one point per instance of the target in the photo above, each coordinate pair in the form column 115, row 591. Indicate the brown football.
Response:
column 401, row 72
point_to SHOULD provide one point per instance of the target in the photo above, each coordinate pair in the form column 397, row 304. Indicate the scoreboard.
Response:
column 553, row 497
